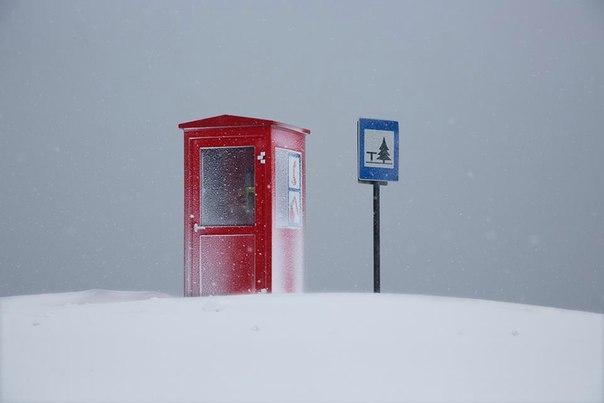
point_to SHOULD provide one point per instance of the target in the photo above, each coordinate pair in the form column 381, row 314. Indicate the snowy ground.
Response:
column 108, row 346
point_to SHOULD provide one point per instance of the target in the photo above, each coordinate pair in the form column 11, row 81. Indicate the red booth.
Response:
column 244, row 206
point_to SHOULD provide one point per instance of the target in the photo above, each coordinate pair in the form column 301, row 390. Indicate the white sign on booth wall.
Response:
column 288, row 189
column 294, row 187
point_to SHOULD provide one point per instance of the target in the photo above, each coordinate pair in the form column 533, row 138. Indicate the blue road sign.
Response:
column 378, row 150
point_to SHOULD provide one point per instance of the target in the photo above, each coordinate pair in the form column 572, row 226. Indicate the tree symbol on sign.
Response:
column 384, row 155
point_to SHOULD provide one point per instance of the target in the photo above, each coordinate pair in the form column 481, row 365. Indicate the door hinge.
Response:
column 260, row 157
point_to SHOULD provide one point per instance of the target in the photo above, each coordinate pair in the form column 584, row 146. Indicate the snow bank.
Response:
column 144, row 347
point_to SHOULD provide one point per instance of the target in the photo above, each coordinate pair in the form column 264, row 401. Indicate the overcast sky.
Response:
column 501, row 114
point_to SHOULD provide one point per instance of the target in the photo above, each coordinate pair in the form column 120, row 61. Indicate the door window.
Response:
column 228, row 195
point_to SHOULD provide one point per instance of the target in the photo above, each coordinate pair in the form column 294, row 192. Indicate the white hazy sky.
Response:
column 501, row 113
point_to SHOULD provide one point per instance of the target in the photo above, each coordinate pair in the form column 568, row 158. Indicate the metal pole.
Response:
column 376, row 237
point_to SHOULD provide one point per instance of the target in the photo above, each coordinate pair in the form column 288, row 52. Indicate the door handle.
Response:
column 197, row 227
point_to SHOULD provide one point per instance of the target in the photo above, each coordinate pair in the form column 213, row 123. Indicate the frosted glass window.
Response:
column 227, row 186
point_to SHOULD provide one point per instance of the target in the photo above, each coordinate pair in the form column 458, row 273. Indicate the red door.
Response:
column 227, row 231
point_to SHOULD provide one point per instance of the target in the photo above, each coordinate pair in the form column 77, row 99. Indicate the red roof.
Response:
column 236, row 121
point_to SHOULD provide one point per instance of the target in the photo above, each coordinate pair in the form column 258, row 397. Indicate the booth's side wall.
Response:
column 288, row 233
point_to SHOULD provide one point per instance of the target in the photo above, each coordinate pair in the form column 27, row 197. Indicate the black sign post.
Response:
column 376, row 235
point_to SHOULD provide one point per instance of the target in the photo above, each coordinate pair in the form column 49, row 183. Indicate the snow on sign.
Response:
column 378, row 150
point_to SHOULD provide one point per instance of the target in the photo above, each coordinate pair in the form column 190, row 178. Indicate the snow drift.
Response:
column 108, row 346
